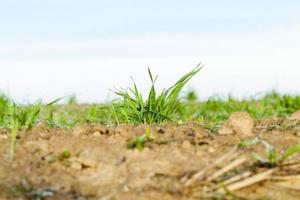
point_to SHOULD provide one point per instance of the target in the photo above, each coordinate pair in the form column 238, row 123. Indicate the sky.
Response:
column 50, row 49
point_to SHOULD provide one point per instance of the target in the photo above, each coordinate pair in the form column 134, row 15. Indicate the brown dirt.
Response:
column 101, row 166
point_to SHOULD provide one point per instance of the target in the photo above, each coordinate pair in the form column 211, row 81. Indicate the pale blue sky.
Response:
column 58, row 47
column 89, row 19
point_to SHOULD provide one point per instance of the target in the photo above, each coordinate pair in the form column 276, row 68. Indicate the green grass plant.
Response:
column 157, row 108
column 23, row 117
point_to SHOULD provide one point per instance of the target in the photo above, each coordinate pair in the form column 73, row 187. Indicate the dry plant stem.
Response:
column 247, row 182
column 237, row 178
column 285, row 178
column 232, row 153
column 227, row 168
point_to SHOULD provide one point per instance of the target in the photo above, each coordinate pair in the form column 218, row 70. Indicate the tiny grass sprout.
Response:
column 51, row 159
column 273, row 158
column 49, row 117
column 248, row 142
column 65, row 154
column 290, row 152
column 139, row 141
column 157, row 108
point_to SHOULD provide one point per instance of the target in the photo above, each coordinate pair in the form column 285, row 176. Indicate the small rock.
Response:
column 211, row 150
column 295, row 115
column 4, row 137
column 76, row 166
column 239, row 123
column 96, row 134
column 125, row 188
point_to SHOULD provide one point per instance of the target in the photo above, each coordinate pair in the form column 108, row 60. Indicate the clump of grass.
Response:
column 26, row 116
column 157, row 108
column 23, row 117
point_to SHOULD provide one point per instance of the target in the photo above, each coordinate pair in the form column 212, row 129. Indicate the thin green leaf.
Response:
column 290, row 151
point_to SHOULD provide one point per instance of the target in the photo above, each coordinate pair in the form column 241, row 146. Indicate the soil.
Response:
column 100, row 166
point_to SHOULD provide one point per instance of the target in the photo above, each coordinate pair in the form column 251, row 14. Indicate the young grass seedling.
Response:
column 65, row 154
column 139, row 141
column 157, row 108
column 272, row 158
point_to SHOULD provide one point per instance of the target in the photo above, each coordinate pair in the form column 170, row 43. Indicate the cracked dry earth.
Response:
column 101, row 167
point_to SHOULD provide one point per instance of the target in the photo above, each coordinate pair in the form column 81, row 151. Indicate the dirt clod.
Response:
column 240, row 123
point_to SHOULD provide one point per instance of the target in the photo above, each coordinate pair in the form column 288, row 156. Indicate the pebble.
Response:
column 96, row 134
column 239, row 123
column 76, row 166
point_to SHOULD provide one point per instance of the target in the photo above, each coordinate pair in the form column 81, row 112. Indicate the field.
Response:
column 170, row 145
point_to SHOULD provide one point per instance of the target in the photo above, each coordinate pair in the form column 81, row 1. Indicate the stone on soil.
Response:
column 239, row 123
